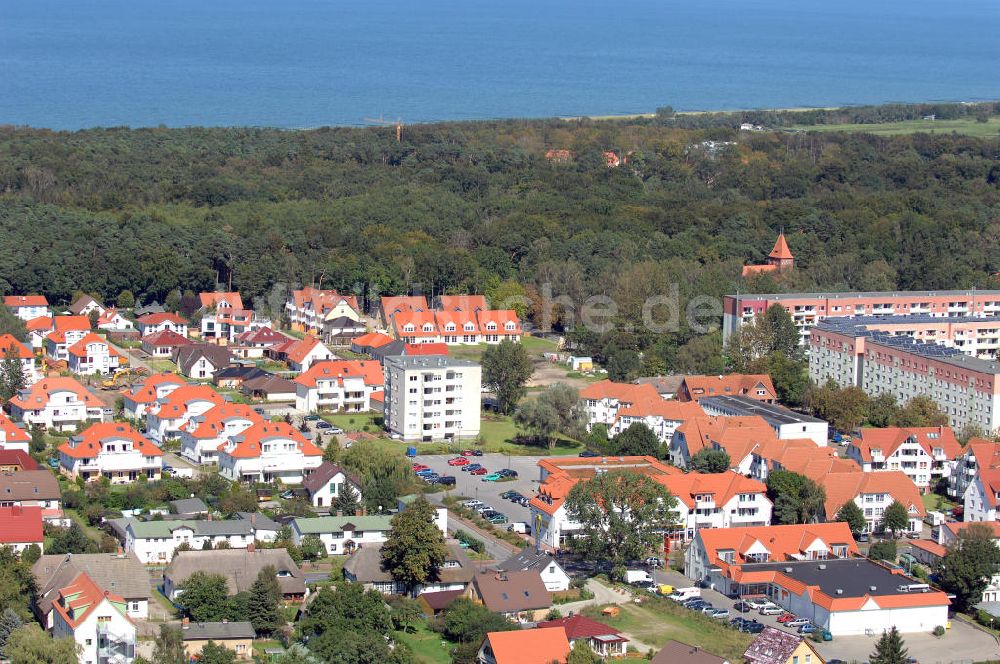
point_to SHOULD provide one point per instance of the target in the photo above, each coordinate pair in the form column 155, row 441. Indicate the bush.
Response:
column 939, row 630
column 883, row 551
column 475, row 544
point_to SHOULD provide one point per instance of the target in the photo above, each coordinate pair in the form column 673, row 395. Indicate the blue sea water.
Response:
column 70, row 64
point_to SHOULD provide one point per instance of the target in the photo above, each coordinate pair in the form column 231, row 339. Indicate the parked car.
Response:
column 719, row 614
column 471, row 467
column 417, row 467
column 323, row 424
column 798, row 622
column 498, row 518
column 808, row 628
column 478, row 471
column 507, row 472
column 756, row 603
column 311, row 418
column 771, row 610
column 483, row 507
column 431, row 478
column 510, row 495
column 862, row 537
column 458, row 461
column 653, row 561
column 472, row 504
column 493, row 477
column 708, row 608
column 753, row 627
column 288, row 494
column 742, row 607
column 468, row 453
column 337, row 431
column 697, row 604
column 446, row 480
column 520, row 527
column 787, row 617
column 425, row 472
column 587, row 454
column 912, row 535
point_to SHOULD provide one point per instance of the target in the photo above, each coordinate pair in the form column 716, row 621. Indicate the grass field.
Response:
column 933, row 501
column 967, row 126
column 658, row 621
column 353, row 421
column 428, row 647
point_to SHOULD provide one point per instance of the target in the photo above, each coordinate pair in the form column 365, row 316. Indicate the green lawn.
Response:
column 967, row 126
column 498, row 432
column 937, row 502
column 658, row 620
column 159, row 366
column 92, row 533
column 428, row 647
column 353, row 421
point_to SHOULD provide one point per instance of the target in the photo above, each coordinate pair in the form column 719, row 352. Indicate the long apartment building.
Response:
column 432, row 397
column 965, row 388
column 808, row 309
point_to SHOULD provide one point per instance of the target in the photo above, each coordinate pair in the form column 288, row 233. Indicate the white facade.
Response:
column 909, row 458
column 269, row 452
column 27, row 312
column 203, row 435
column 154, row 542
column 981, row 502
column 164, row 422
column 96, row 356
column 63, row 410
column 351, row 394
column 741, row 510
column 432, row 397
column 342, row 535
column 663, row 427
column 104, row 636
column 116, row 457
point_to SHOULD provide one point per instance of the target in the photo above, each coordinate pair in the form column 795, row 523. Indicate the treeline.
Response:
column 879, row 114
column 476, row 207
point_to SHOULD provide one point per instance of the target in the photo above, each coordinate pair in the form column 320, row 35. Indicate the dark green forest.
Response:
column 476, row 207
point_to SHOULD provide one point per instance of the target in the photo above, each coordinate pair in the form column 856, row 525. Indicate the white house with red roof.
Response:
column 164, row 343
column 20, row 527
column 137, row 398
column 662, row 417
column 717, row 500
column 38, row 328
column 112, row 450
column 225, row 317
column 203, row 434
column 925, row 454
column 10, row 345
column 978, row 454
column 158, row 322
column 13, row 437
column 113, row 321
column 338, row 385
column 300, row 354
column 605, row 398
column 873, row 493
column 93, row 354
column 269, row 452
column 603, row 640
column 455, row 327
column 496, row 325
column 815, row 570
column 27, row 307
column 58, row 403
column 254, row 344
column 66, row 331
column 166, row 417
column 96, row 619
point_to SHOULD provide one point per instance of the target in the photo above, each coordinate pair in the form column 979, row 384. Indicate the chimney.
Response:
column 251, row 547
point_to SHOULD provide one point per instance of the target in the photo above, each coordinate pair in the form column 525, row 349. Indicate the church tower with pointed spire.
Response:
column 779, row 260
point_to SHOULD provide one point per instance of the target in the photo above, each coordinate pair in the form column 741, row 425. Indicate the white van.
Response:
column 519, row 527
column 681, row 594
column 637, row 576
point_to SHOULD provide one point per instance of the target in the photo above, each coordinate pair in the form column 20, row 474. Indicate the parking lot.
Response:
column 473, row 486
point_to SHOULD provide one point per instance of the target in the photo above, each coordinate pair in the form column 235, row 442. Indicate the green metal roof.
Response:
column 335, row 524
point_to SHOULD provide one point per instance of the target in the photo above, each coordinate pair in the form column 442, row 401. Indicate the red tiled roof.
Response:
column 301, row 348
column 15, row 301
column 930, row 547
column 890, row 438
column 70, row 323
column 372, row 340
column 88, row 443
column 37, row 396
column 958, row 526
column 668, row 409
column 419, row 319
column 990, row 477
column 21, row 524
column 721, row 485
column 781, row 250
column 39, row 324
column 456, row 322
column 396, row 303
column 626, row 393
column 8, row 342
column 13, row 433
column 426, row 349
column 209, row 300
column 80, row 598
column 530, row 646
column 146, row 391
column 581, row 627
column 262, row 335
column 369, row 370
column 565, row 472
column 697, row 387
column 463, row 302
column 247, row 445
column 322, row 301
column 166, row 338
column 500, row 317
column 16, row 457
column 737, row 435
column 749, row 270
column 781, row 542
column 176, row 403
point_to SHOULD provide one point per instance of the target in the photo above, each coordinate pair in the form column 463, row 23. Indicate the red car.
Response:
column 468, row 453
column 478, row 471
column 788, row 617
column 458, row 461
column 417, row 467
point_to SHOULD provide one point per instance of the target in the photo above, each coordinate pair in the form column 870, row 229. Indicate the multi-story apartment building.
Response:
column 925, row 454
column 432, row 397
column 137, row 398
column 873, row 493
column 160, row 322
column 111, row 450
column 59, row 403
column 205, row 433
column 716, row 500
column 338, row 385
column 662, row 417
column 808, row 309
column 965, row 388
column 604, row 399
column 753, row 386
column 65, row 332
column 269, row 452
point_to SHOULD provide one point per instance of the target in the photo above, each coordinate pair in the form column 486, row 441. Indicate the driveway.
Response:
column 961, row 644
column 472, row 486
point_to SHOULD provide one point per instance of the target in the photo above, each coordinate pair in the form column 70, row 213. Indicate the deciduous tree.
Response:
column 895, row 519
column 415, row 549
column 709, row 460
column 215, row 653
column 28, row 644
column 506, row 370
column 12, row 378
column 796, row 498
column 969, row 564
column 205, row 597
column 637, row 440
column 852, row 515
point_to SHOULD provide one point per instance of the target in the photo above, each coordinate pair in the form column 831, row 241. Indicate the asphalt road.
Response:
column 472, row 486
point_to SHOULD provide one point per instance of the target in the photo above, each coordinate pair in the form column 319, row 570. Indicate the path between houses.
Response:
column 604, row 595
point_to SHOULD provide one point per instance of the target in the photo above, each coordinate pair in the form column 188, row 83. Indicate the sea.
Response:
column 71, row 64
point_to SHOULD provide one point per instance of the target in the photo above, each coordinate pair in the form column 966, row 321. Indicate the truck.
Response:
column 633, row 576
column 681, row 594
column 519, row 527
